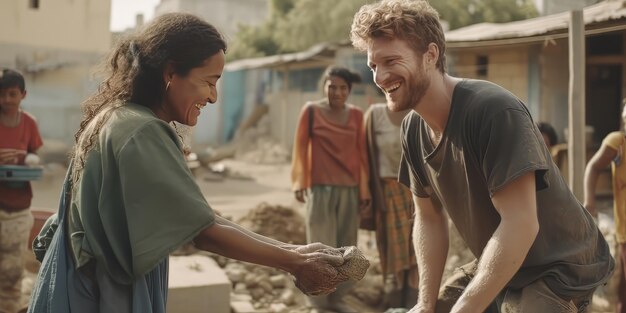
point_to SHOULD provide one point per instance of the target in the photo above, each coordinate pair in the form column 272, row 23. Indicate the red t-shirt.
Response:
column 24, row 137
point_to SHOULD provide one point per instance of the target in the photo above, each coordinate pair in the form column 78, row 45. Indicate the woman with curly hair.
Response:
column 129, row 198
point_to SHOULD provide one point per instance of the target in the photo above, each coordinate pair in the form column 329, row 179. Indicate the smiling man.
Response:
column 471, row 148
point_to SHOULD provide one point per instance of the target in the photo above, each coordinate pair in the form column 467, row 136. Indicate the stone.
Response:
column 240, row 297
column 278, row 281
column 235, row 275
column 242, row 307
column 241, row 288
column 355, row 265
column 278, row 307
column 288, row 297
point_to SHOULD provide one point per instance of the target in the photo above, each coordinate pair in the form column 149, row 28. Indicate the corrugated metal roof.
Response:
column 320, row 50
column 601, row 12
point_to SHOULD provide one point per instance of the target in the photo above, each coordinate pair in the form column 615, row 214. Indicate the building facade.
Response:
column 225, row 15
column 55, row 44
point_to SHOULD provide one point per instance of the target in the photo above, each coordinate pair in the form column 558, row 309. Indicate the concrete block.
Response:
column 197, row 285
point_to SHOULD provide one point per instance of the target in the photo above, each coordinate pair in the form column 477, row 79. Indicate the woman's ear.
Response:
column 168, row 72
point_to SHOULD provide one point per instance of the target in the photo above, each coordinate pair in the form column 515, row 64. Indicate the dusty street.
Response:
column 231, row 196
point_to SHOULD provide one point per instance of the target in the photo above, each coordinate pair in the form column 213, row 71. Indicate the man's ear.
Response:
column 23, row 94
column 432, row 54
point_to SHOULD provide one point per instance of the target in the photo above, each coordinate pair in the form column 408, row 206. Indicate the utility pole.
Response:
column 576, row 145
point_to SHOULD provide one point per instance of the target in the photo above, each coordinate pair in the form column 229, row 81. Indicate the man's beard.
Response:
column 414, row 92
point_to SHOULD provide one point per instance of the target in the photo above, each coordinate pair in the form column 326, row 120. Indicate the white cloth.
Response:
column 14, row 233
column 388, row 142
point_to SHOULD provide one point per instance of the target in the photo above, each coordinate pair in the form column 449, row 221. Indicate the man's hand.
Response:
column 364, row 204
column 419, row 309
column 300, row 195
column 318, row 275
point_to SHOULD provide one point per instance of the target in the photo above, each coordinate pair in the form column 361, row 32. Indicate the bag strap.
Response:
column 310, row 109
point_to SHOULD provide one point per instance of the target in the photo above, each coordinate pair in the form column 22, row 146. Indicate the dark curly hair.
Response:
column 11, row 78
column 342, row 72
column 549, row 131
column 133, row 71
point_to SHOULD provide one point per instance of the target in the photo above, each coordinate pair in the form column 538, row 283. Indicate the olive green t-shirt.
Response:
column 136, row 200
column 490, row 139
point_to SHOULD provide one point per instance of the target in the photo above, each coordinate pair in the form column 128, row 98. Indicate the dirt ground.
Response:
column 232, row 196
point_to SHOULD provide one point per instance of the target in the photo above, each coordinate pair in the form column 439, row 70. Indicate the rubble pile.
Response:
column 252, row 144
column 255, row 146
column 605, row 296
column 269, row 290
column 370, row 289
column 265, row 289
column 278, row 222
column 262, row 151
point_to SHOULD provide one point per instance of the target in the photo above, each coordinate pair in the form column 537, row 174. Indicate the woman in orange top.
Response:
column 329, row 170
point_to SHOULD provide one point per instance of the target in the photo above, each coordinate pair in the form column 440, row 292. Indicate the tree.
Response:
column 459, row 13
column 258, row 41
column 251, row 42
column 296, row 25
column 314, row 21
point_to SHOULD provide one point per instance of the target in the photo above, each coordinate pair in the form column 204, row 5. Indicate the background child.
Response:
column 19, row 141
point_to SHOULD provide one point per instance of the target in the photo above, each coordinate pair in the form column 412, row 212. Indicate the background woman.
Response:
column 392, row 205
column 329, row 170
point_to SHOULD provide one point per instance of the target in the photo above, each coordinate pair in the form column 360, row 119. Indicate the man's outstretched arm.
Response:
column 430, row 240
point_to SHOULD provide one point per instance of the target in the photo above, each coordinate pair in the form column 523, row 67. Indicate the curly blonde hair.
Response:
column 413, row 21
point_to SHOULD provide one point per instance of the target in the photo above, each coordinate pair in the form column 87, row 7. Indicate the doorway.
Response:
column 603, row 99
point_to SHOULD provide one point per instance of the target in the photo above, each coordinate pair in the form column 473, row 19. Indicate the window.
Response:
column 482, row 64
column 609, row 44
column 305, row 79
column 33, row 4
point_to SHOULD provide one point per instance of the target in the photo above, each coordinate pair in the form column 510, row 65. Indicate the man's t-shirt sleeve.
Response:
column 510, row 146
column 407, row 173
column 614, row 140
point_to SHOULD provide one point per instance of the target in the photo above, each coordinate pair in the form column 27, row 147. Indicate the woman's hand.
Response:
column 364, row 204
column 318, row 275
column 312, row 247
column 300, row 195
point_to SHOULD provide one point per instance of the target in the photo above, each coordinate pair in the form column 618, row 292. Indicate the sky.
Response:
column 123, row 12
